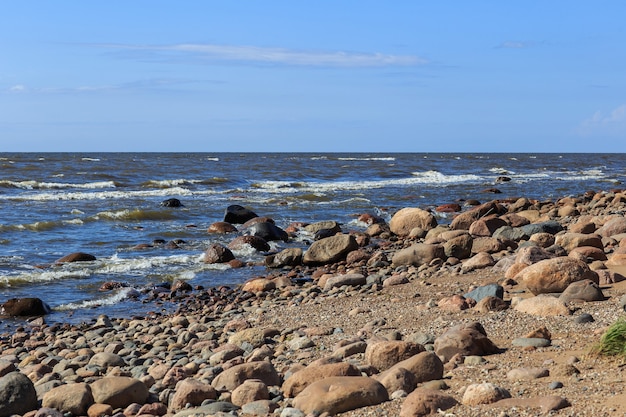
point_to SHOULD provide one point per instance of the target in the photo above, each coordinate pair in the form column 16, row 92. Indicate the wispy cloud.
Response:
column 19, row 88
column 613, row 122
column 273, row 56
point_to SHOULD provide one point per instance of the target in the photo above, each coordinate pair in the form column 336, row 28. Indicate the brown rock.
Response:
column 606, row 276
column 542, row 239
column 543, row 305
column 527, row 373
column 569, row 241
column 72, row 398
column 301, row 379
column 221, row 228
column 340, row 394
column 397, row 379
column 455, row 303
column 613, row 226
column 585, row 290
column 251, row 390
column 531, row 255
column 119, row 391
column 491, row 303
column 255, row 242
column 458, row 247
column 465, row 220
column 353, row 280
column 418, row 254
column 479, row 261
column 256, row 285
column 286, row 257
column 99, row 410
column 487, row 244
column 217, row 253
column 588, row 252
column 24, row 307
column 546, row 404
column 554, row 275
column 423, row 402
column 76, row 257
column 191, row 391
column 231, row 378
column 466, row 340
column 426, row 366
column 485, row 393
column 410, row 218
column 330, row 249
column 486, row 226
column 383, row 355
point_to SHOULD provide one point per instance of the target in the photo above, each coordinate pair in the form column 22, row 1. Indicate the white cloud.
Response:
column 280, row 56
column 613, row 122
column 17, row 88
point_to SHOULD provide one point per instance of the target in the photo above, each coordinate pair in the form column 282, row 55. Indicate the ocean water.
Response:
column 106, row 204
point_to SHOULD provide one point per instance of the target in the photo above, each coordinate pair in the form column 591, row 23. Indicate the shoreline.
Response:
column 370, row 310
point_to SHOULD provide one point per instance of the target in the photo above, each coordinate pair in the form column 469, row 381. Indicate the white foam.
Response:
column 102, row 195
column 110, row 299
column 387, row 158
column 214, row 159
column 34, row 185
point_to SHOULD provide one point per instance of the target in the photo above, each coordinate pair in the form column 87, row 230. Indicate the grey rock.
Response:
column 490, row 290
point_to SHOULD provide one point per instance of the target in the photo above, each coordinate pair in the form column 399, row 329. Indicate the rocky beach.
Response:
column 498, row 313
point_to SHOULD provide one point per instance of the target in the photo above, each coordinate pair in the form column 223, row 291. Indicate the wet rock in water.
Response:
column 217, row 253
column 76, row 257
column 238, row 214
column 331, row 225
column 410, row 218
column 423, row 402
column 221, row 228
column 268, row 231
column 172, row 202
column 329, row 250
column 286, row 257
column 17, row 394
column 24, row 307
column 256, row 242
column 340, row 394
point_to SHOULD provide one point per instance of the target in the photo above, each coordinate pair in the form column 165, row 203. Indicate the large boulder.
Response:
column 119, row 391
column 217, row 253
column 485, row 227
column 409, row 218
column 614, row 226
column 418, row 254
column 286, row 257
column 570, row 241
column 191, row 391
column 466, row 340
column 69, row 398
column 542, row 305
column 585, row 290
column 465, row 220
column 268, row 231
column 256, row 242
column 298, row 381
column 384, row 354
column 25, row 307
column 554, row 275
column 424, row 402
column 76, row 257
column 340, row 394
column 329, row 250
column 17, row 395
column 232, row 377
column 238, row 214
column 426, row 366
column 459, row 247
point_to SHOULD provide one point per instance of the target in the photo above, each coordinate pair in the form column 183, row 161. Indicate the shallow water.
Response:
column 106, row 204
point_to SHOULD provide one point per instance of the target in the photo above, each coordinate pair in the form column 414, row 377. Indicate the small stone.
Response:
column 531, row 342
column 584, row 318
column 555, row 385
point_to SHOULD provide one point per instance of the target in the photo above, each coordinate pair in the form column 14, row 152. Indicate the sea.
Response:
column 106, row 204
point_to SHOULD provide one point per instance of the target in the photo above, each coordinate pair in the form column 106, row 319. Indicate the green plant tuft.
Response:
column 613, row 341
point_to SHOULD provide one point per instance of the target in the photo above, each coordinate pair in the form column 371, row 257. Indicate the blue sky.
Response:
column 366, row 76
